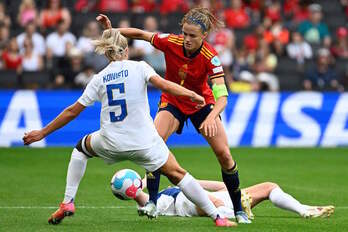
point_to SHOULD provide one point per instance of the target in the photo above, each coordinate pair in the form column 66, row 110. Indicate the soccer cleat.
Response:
column 63, row 211
column 150, row 210
column 242, row 218
column 224, row 222
column 320, row 211
column 246, row 204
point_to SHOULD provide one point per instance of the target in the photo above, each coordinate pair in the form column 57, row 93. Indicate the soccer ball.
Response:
column 126, row 184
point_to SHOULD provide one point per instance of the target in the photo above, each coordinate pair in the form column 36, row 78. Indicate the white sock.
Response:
column 285, row 201
column 195, row 193
column 76, row 170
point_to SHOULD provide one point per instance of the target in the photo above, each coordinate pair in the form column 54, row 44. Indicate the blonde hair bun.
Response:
column 112, row 44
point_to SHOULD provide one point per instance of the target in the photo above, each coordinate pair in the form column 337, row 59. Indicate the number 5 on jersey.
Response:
column 119, row 102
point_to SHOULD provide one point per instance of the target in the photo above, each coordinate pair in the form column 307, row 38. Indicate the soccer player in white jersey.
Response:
column 172, row 202
column 126, row 130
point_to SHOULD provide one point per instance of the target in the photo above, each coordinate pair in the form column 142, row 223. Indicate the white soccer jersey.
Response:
column 125, row 120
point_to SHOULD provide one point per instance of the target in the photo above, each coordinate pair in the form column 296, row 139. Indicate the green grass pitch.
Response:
column 33, row 180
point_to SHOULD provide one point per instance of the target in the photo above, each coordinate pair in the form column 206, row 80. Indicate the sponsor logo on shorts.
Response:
column 150, row 176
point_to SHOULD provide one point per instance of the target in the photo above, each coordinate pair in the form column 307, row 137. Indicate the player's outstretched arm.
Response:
column 61, row 120
column 132, row 33
column 177, row 90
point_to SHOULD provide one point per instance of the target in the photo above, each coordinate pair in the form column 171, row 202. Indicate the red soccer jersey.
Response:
column 190, row 72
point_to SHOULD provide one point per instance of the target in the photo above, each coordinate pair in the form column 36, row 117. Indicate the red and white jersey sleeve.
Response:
column 160, row 41
column 214, row 67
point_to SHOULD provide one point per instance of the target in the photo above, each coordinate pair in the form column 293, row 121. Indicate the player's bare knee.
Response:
column 175, row 175
column 225, row 160
column 270, row 186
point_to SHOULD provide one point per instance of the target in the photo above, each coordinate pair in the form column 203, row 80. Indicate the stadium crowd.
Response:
column 267, row 45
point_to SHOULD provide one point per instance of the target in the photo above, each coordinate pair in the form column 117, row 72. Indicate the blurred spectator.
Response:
column 272, row 11
column 27, row 12
column 251, row 41
column 142, row 47
column 223, row 41
column 11, row 58
column 344, row 80
column 4, row 36
column 144, row 50
column 264, row 65
column 241, row 62
column 245, row 83
column 215, row 6
column 314, row 30
column 65, row 76
column 90, row 32
column 321, row 76
column 84, row 77
column 31, row 60
column 299, row 49
column 340, row 49
column 344, row 4
column 112, row 5
column 296, row 10
column 236, row 16
column 256, row 7
column 101, row 5
column 53, row 14
column 4, row 18
column 170, row 6
column 84, row 5
column 143, row 6
column 37, row 39
column 124, row 23
column 278, row 36
column 60, row 41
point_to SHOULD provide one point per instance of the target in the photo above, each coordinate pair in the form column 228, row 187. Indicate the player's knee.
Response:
column 175, row 175
column 270, row 186
column 225, row 159
column 81, row 147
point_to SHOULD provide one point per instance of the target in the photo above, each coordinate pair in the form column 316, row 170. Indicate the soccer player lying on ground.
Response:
column 190, row 62
column 127, row 131
column 172, row 202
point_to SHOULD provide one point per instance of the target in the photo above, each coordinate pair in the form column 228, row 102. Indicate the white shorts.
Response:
column 151, row 158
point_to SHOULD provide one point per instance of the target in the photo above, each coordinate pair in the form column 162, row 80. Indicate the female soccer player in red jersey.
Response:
column 190, row 61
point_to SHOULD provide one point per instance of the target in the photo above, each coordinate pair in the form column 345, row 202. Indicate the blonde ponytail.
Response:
column 112, row 44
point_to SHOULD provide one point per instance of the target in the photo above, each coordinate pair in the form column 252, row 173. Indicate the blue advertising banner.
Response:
column 253, row 119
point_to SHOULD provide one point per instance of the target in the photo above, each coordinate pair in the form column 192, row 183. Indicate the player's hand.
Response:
column 198, row 99
column 208, row 127
column 32, row 136
column 104, row 21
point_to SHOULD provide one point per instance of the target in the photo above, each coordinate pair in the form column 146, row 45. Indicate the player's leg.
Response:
column 169, row 120
column 283, row 200
column 76, row 170
column 166, row 123
column 192, row 190
column 229, row 170
column 229, row 167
